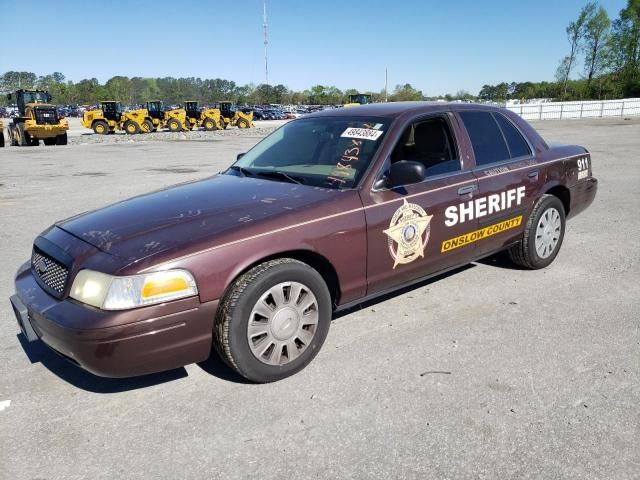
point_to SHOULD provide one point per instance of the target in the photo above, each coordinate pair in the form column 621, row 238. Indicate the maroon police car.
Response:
column 328, row 211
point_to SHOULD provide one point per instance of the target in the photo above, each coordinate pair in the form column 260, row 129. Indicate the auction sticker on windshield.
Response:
column 362, row 133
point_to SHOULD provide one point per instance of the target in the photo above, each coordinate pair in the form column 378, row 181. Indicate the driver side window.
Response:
column 430, row 142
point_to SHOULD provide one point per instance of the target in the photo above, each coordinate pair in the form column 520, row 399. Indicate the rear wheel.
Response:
column 61, row 139
column 174, row 125
column 147, row 126
column 273, row 320
column 50, row 141
column 101, row 127
column 131, row 127
column 23, row 139
column 243, row 123
column 543, row 235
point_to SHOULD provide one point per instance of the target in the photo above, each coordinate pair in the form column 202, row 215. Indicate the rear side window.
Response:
column 518, row 147
column 486, row 137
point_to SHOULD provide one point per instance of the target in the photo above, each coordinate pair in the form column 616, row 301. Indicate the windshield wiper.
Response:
column 245, row 172
column 280, row 175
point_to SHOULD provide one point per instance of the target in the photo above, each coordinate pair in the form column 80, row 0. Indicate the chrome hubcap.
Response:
column 282, row 323
column 548, row 232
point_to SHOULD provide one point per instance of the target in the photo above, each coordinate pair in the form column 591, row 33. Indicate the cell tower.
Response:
column 265, row 26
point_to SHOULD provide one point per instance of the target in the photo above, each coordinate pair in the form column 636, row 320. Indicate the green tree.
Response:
column 405, row 93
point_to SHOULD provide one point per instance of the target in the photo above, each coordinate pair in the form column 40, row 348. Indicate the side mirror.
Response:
column 405, row 172
column 240, row 155
column 8, row 96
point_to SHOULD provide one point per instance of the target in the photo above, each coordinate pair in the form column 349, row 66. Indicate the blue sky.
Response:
column 437, row 46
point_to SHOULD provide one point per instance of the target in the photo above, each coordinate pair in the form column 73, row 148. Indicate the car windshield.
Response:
column 330, row 152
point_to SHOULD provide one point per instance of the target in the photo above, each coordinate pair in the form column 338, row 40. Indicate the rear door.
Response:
column 406, row 226
column 508, row 177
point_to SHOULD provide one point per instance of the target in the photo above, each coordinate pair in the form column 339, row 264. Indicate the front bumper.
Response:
column 116, row 343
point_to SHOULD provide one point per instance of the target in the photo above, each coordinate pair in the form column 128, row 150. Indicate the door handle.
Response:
column 467, row 189
column 533, row 174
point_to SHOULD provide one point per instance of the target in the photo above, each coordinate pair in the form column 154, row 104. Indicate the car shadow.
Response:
column 216, row 367
column 38, row 352
column 401, row 291
column 500, row 260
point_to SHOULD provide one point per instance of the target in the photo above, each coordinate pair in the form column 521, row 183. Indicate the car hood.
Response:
column 179, row 217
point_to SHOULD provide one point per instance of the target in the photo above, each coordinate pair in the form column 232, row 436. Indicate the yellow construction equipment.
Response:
column 234, row 117
column 209, row 119
column 358, row 99
column 37, row 120
column 110, row 116
column 174, row 119
column 1, row 134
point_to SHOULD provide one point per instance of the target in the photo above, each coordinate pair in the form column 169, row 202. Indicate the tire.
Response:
column 131, row 127
column 543, row 235
column 232, row 339
column 147, row 126
column 23, row 139
column 61, row 139
column 174, row 125
column 1, row 139
column 209, row 124
column 100, row 127
column 12, row 136
column 50, row 141
column 243, row 123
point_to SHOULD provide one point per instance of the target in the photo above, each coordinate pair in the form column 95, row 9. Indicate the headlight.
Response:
column 119, row 293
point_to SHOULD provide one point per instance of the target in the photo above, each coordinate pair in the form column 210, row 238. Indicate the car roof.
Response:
column 395, row 109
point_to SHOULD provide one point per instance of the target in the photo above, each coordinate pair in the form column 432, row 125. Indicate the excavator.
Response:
column 37, row 120
column 209, row 119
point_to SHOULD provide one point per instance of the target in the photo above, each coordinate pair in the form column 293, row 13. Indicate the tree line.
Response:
column 603, row 54
column 136, row 90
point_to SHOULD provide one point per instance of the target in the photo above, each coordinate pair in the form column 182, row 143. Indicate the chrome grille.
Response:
column 50, row 272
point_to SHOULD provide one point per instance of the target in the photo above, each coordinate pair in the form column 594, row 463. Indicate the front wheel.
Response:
column 174, row 125
column 273, row 320
column 543, row 235
column 61, row 139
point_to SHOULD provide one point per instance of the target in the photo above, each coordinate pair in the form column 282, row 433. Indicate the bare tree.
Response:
column 575, row 33
column 595, row 39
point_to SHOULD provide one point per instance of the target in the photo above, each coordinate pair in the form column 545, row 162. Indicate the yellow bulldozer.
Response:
column 358, row 99
column 37, row 120
column 174, row 119
column 110, row 117
column 209, row 118
column 234, row 117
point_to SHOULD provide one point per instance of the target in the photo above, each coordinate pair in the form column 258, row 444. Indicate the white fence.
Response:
column 626, row 107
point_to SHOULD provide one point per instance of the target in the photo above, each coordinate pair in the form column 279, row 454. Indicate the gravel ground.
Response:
column 78, row 135
column 488, row 372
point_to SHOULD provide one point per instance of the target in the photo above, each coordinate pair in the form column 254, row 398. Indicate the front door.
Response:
column 410, row 229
